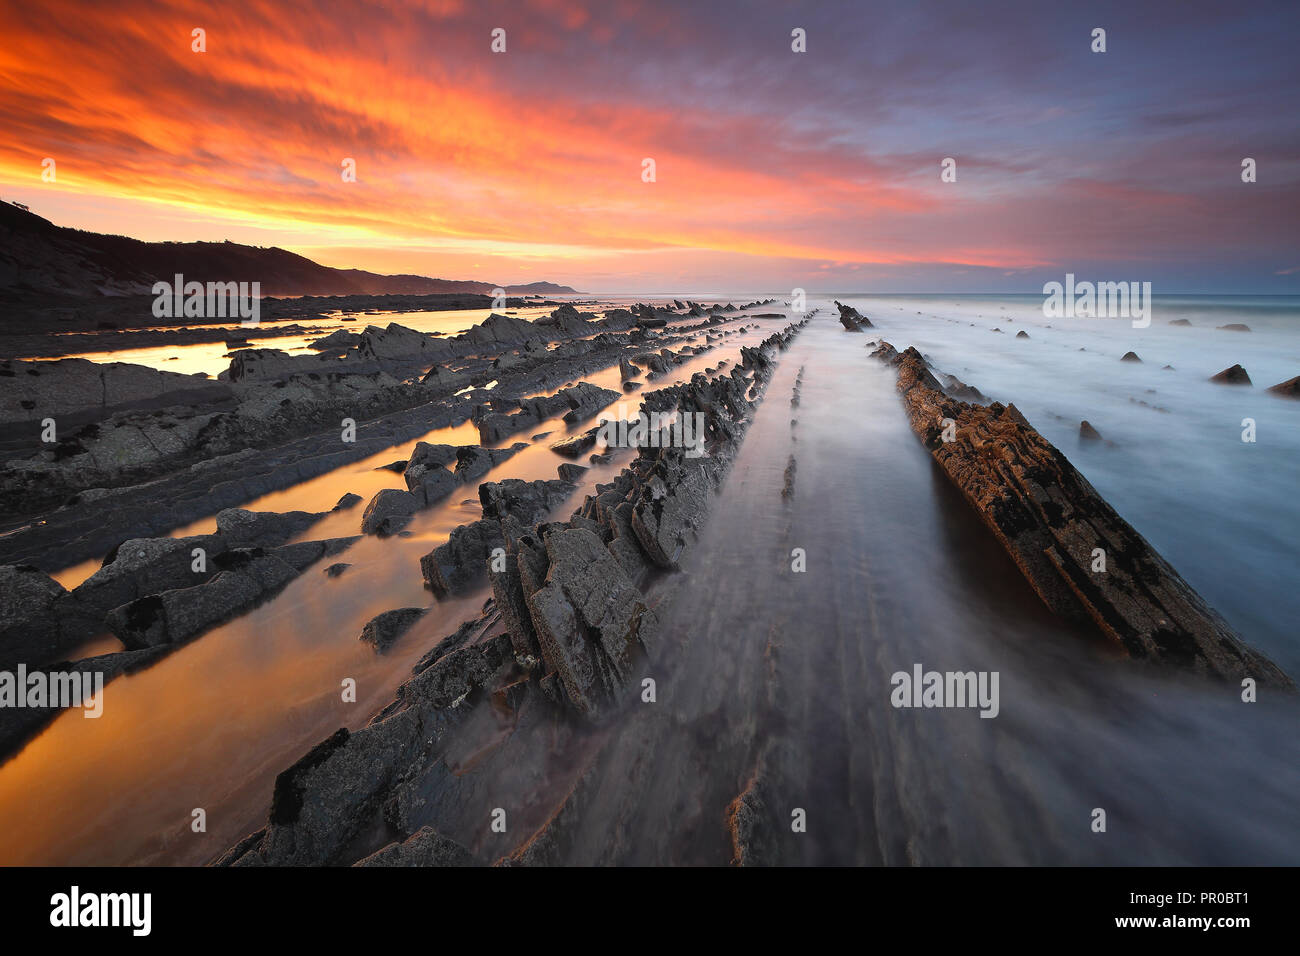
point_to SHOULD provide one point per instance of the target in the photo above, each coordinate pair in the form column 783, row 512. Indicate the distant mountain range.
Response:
column 37, row 256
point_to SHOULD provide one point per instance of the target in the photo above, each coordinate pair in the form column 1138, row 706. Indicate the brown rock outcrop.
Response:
column 1232, row 375
column 1053, row 524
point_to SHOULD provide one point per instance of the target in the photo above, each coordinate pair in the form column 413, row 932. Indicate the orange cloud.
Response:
column 457, row 149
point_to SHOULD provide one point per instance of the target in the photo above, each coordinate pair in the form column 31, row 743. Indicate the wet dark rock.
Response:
column 523, row 571
column 461, row 563
column 508, row 700
column 245, row 577
column 620, row 319
column 648, row 318
column 593, row 624
column 575, row 403
column 499, row 329
column 184, row 441
column 1235, row 327
column 325, row 800
column 252, row 366
column 627, row 370
column 339, row 339
column 349, row 500
column 389, row 511
column 303, row 554
column 425, row 847
column 1288, row 389
column 585, row 400
column 1232, row 375
column 39, row 619
column 852, row 319
column 1086, row 431
column 72, row 387
column 441, row 379
column 176, row 616
column 751, row 824
column 787, row 490
column 450, row 680
column 240, row 528
column 475, row 461
column 336, row 569
column 459, row 665
column 575, row 445
column 1022, row 334
column 526, row 501
column 142, row 566
column 568, row 319
column 571, row 472
column 1180, row 322
column 434, row 484
column 1050, row 519
column 567, row 628
column 886, row 353
column 398, row 466
column 670, row 509
column 383, row 630
column 397, row 343
column 654, row 362
column 1130, row 357
column 425, row 457
column 959, row 389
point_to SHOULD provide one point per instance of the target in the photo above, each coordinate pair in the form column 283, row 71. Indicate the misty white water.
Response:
column 900, row 572
column 1223, row 511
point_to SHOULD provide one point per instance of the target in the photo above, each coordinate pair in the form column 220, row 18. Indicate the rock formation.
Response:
column 1054, row 524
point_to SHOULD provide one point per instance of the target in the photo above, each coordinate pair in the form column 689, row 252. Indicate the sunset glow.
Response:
column 817, row 170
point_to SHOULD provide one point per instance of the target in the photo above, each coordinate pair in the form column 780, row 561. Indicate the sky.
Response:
column 773, row 169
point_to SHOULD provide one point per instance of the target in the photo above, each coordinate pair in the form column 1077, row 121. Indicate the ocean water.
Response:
column 899, row 572
column 787, row 676
column 1225, row 512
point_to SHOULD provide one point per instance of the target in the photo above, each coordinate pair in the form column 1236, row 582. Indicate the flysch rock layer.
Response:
column 154, row 594
column 262, row 431
column 1050, row 519
column 555, row 647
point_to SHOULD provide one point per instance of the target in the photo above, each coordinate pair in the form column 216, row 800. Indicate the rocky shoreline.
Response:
column 577, row 607
column 1083, row 560
column 561, row 642
column 208, row 442
column 132, row 473
column 153, row 594
column 575, row 620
